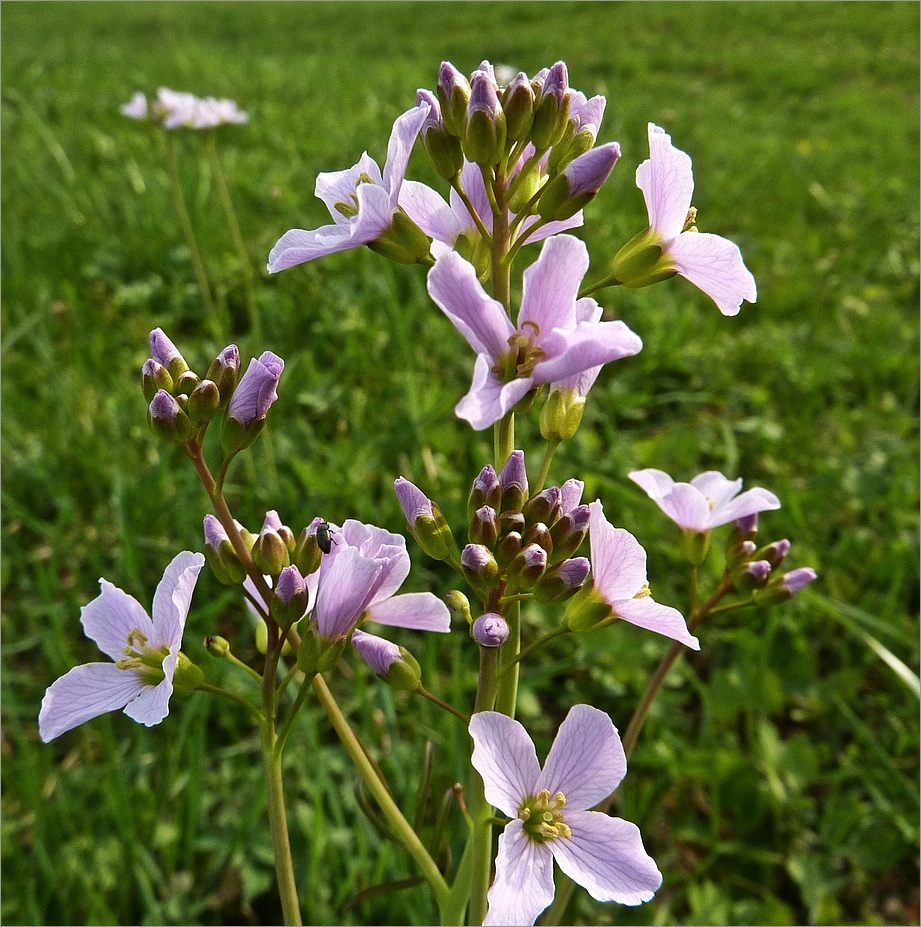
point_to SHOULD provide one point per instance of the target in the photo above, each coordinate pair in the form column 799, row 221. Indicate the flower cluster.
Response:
column 174, row 110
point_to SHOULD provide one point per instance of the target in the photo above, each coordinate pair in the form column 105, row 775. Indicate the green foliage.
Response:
column 776, row 780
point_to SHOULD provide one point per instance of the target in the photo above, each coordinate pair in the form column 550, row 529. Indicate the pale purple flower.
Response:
column 361, row 200
column 146, row 653
column 257, row 389
column 588, row 172
column 175, row 109
column 619, row 570
column 136, row 107
column 796, row 580
column 490, row 630
column 712, row 263
column 550, row 815
column 708, row 501
column 209, row 113
column 550, row 342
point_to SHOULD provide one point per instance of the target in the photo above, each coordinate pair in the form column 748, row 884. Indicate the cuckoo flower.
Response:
column 362, row 201
column 708, row 501
column 550, row 342
column 620, row 586
column 672, row 245
column 257, row 389
column 550, row 816
column 145, row 651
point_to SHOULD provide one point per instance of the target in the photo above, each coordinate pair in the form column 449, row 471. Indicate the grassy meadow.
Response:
column 776, row 779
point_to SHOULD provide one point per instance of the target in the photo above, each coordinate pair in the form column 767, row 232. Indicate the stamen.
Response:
column 643, row 592
column 690, row 220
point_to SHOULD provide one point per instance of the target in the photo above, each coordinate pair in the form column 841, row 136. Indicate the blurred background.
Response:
column 776, row 780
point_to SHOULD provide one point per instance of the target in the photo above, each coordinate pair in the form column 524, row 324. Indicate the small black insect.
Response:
column 324, row 537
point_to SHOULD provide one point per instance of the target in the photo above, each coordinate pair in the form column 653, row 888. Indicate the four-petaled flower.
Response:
column 361, row 200
column 550, row 816
column 708, row 501
column 552, row 340
column 146, row 653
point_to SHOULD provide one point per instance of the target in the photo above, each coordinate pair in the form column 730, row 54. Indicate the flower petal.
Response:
column 523, row 885
column 378, row 653
column 590, row 345
column 587, row 760
column 667, row 182
column 298, row 246
column 399, row 148
column 606, row 856
column 345, row 589
column 618, row 559
column 430, row 212
column 663, row 619
column 716, row 487
column 111, row 617
column 420, row 611
column 454, row 286
column 656, row 483
column 152, row 703
column 750, row 502
column 488, row 398
column 85, row 692
column 687, row 506
column 338, row 186
column 504, row 756
column 550, row 229
column 714, row 265
column 173, row 598
column 551, row 285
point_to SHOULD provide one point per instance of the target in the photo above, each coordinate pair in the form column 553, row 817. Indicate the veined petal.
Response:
column 152, row 703
column 173, row 598
column 378, row 653
column 667, row 182
column 454, row 286
column 399, row 148
column 346, row 587
column 85, row 692
column 472, row 182
column 590, row 345
column 489, row 399
column 587, row 760
column 338, row 186
column 618, row 559
column 663, row 619
column 550, row 229
column 716, row 487
column 714, row 264
column 750, row 502
column 375, row 213
column 656, row 483
column 504, row 756
column 687, row 506
column 430, row 212
column 421, row 611
column 298, row 246
column 551, row 285
column 523, row 885
column 111, row 617
column 606, row 856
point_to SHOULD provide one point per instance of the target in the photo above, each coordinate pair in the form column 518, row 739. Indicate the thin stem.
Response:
column 287, row 724
column 226, row 693
column 504, row 439
column 509, row 665
column 590, row 288
column 543, row 639
column 437, row 701
column 237, row 662
column 401, row 827
column 552, row 445
column 474, row 215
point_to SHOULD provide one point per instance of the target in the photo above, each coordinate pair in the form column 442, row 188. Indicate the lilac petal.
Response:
column 399, row 148
column 475, row 188
column 688, row 507
column 714, row 265
column 550, row 229
column 750, row 502
column 590, row 345
column 414, row 502
column 648, row 614
column 345, row 590
column 111, row 617
column 570, row 495
column 430, row 212
column 523, row 885
column 656, row 483
column 257, row 389
column 378, row 653
column 618, row 559
column 551, row 285
column 489, row 399
column 505, row 758
column 716, row 487
column 606, row 856
column 173, row 598
column 375, row 213
column 298, row 246
column 454, row 286
column 152, row 704
column 421, row 611
column 85, row 692
column 667, row 183
column 338, row 186
column 587, row 760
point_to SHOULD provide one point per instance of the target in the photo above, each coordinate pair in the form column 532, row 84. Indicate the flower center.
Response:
column 691, row 219
column 146, row 661
column 524, row 355
column 351, row 209
column 543, row 821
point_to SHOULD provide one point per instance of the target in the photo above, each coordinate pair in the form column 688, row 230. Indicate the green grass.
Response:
column 776, row 780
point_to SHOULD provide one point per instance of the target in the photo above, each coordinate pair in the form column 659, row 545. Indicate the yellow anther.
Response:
column 643, row 592
column 560, row 799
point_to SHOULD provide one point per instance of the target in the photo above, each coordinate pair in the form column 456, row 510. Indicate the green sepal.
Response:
column 586, row 610
column 188, row 677
column 694, row 546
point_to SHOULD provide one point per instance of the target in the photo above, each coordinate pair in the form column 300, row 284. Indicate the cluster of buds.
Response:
column 181, row 403
column 754, row 569
column 537, row 130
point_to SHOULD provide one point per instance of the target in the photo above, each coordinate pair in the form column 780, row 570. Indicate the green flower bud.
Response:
column 217, row 646
column 694, row 546
column 204, row 401
column 561, row 415
column 459, row 604
column 307, row 554
column 154, row 377
column 317, row 654
column 270, row 553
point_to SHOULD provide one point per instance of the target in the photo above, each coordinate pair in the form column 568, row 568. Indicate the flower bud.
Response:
column 741, row 553
column 166, row 353
column 270, row 553
column 154, row 377
column 784, row 588
column 507, row 548
column 586, row 610
column 544, row 507
column 225, row 372
column 752, row 575
column 167, row 419
column 186, row 383
column 511, row 521
column 514, row 482
column 428, row 526
column 458, row 604
column 484, row 527
column 307, row 554
column 528, row 566
column 569, row 532
column 561, row 414
column 484, row 133
column 204, row 401
column 773, row 553
column 538, row 534
column 642, row 261
column 444, row 149
column 250, row 404
column 395, row 665
column 745, row 529
column 694, row 545
column 453, row 92
column 479, row 567
column 551, row 109
column 562, row 581
column 578, row 184
column 188, row 677
column 289, row 597
column 571, row 494
column 518, row 106
column 220, row 554
column 490, row 630
column 486, row 490
column 217, row 646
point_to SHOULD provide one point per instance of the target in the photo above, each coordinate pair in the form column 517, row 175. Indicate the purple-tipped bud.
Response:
column 490, row 630
column 569, row 532
column 518, row 106
column 167, row 419
column 562, row 581
column 444, row 149
column 570, row 495
column 395, row 665
column 745, row 529
column 751, row 575
column 486, row 490
column 214, row 533
column 484, row 134
column 514, row 482
column 415, row 503
column 507, row 549
column 588, row 115
column 165, row 352
column 538, row 534
column 289, row 597
column 204, row 401
column 479, row 567
column 433, row 120
column 544, row 507
column 578, row 184
column 307, row 554
column 220, row 554
column 247, row 409
column 740, row 553
column 551, row 109
column 154, row 376
column 774, row 553
column 270, row 552
column 484, row 526
column 785, row 587
column 429, row 527
column 528, row 566
column 290, row 584
column 225, row 372
column 453, row 93
column 274, row 522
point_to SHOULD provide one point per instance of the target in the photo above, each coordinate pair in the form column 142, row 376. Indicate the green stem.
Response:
column 401, row 827
column 286, row 726
column 189, row 234
column 225, row 693
column 441, row 704
column 237, row 662
column 504, row 439
column 509, row 665
column 543, row 639
column 590, row 288
column 552, row 445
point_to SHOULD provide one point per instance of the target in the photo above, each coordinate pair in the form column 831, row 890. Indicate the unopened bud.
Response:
column 270, row 553
column 741, row 553
column 538, row 534
column 154, row 377
column 289, row 597
column 395, row 665
column 518, row 106
column 479, row 567
column 225, row 372
column 562, row 581
column 204, row 401
column 785, row 587
column 528, row 566
column 544, row 507
column 458, row 604
column 166, row 353
column 514, row 482
column 490, row 630
column 187, row 382
column 486, row 490
column 485, row 132
column 428, row 526
column 307, row 554
column 569, row 532
column 484, row 527
column 453, row 92
column 167, row 418
column 551, row 108
column 220, row 554
column 217, row 646
column 752, row 575
column 773, row 553
column 507, row 548
column 578, row 184
column 561, row 414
